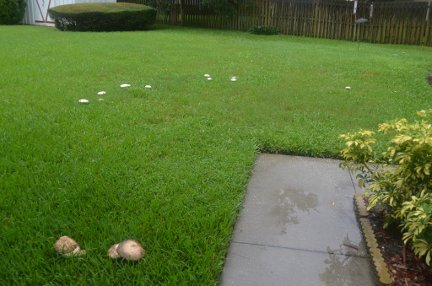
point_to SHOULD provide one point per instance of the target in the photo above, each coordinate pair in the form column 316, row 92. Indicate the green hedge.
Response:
column 11, row 11
column 102, row 16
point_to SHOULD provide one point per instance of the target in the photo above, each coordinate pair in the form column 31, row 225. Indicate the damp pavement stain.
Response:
column 289, row 203
column 298, row 227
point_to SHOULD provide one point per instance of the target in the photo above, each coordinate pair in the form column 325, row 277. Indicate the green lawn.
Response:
column 168, row 166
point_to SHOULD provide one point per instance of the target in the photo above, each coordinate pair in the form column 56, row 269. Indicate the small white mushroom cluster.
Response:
column 68, row 247
column 232, row 78
column 146, row 86
column 103, row 92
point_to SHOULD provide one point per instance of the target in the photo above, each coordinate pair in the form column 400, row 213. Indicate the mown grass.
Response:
column 168, row 166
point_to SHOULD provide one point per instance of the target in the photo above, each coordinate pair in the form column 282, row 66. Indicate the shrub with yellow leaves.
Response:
column 399, row 179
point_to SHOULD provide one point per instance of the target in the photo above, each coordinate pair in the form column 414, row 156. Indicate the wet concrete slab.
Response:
column 297, row 217
column 254, row 265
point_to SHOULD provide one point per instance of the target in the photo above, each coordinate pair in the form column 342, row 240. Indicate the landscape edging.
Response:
column 381, row 269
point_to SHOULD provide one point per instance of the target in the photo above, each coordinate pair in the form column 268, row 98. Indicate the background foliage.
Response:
column 223, row 7
column 11, row 11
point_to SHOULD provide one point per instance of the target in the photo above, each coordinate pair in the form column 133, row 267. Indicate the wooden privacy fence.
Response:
column 403, row 22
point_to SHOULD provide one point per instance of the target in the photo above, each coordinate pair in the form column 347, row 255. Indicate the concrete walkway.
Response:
column 298, row 227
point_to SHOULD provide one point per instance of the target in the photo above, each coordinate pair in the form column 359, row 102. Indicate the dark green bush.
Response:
column 102, row 17
column 11, row 11
column 264, row 30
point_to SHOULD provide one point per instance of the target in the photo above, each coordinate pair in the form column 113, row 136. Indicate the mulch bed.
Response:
column 412, row 273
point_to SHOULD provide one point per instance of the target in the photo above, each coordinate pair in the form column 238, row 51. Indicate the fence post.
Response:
column 428, row 11
column 427, row 37
column 355, row 18
column 371, row 28
column 181, row 13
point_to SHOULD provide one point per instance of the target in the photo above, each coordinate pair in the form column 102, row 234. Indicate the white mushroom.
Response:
column 128, row 249
column 206, row 75
column 209, row 78
column 101, row 92
column 348, row 87
column 233, row 78
column 125, row 85
column 148, row 86
column 83, row 101
column 68, row 247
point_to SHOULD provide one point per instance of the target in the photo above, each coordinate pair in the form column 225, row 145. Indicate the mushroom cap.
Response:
column 65, row 245
column 112, row 252
column 130, row 250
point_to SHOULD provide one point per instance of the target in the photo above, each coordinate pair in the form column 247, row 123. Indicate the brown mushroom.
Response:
column 68, row 247
column 128, row 249
column 112, row 252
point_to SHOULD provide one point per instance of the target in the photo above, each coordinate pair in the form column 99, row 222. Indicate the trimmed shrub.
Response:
column 11, row 11
column 264, row 30
column 102, row 17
